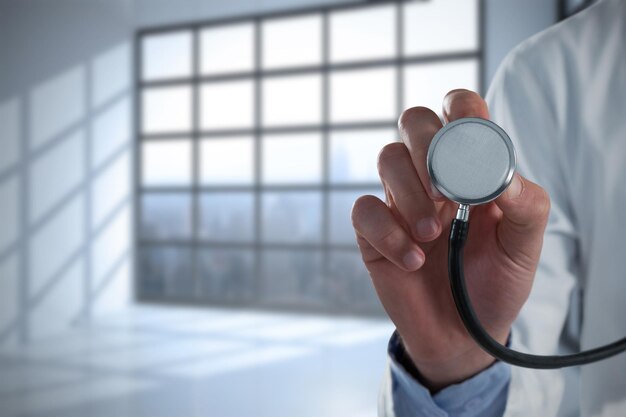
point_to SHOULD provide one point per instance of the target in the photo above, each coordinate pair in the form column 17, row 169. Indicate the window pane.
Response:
column 440, row 26
column 166, row 109
column 227, row 49
column 292, row 42
column 292, row 217
column 227, row 217
column 227, row 161
column 227, row 105
column 227, row 274
column 364, row 34
column 292, row 100
column 166, row 162
column 341, row 230
column 166, row 216
column 166, row 56
column 427, row 84
column 166, row 271
column 354, row 154
column 292, row 277
column 292, row 158
column 363, row 95
column 349, row 284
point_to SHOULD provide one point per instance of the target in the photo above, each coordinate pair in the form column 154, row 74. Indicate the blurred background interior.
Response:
column 176, row 179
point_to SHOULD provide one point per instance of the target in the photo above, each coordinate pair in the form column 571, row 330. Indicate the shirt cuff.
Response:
column 484, row 394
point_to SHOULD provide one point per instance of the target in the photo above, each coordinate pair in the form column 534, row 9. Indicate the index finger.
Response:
column 418, row 126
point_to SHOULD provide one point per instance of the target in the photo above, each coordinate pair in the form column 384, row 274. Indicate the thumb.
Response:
column 525, row 207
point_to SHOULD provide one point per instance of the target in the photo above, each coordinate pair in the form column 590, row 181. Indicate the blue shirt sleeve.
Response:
column 484, row 395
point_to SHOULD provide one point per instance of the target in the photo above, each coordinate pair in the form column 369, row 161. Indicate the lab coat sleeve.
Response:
column 528, row 98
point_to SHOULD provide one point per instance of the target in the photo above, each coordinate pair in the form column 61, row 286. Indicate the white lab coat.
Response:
column 561, row 96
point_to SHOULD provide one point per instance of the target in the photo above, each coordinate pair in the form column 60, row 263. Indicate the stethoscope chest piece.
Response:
column 471, row 161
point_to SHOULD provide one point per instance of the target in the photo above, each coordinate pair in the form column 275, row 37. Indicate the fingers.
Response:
column 464, row 103
column 418, row 126
column 374, row 222
column 525, row 207
column 397, row 172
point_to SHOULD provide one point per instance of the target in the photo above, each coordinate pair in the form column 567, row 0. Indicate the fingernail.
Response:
column 427, row 227
column 515, row 188
column 413, row 260
column 435, row 192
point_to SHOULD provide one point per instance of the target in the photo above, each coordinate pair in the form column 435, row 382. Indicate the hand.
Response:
column 404, row 244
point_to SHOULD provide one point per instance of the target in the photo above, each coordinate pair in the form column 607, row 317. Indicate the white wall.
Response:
column 65, row 145
column 65, row 135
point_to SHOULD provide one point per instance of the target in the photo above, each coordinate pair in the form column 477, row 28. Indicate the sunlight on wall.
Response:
column 47, row 118
column 10, row 133
column 110, row 283
column 111, row 74
column 9, row 308
column 70, row 243
column 56, row 175
column 9, row 208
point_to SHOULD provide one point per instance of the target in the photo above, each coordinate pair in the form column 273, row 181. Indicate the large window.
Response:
column 255, row 136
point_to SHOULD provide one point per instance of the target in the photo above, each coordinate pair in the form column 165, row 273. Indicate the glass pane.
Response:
column 292, row 217
column 292, row 277
column 227, row 49
column 165, row 216
column 292, row 42
column 292, row 158
column 292, row 100
column 227, row 217
column 166, row 162
column 227, row 161
column 227, row 105
column 227, row 274
column 166, row 271
column 427, row 84
column 166, row 109
column 440, row 26
column 363, row 34
column 341, row 230
column 354, row 154
column 363, row 95
column 349, row 284
column 167, row 55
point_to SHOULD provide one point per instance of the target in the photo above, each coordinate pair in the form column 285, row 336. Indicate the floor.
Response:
column 165, row 361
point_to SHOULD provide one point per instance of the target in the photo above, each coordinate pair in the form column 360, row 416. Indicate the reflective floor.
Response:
column 154, row 361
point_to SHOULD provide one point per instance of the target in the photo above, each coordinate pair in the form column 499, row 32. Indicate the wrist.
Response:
column 438, row 375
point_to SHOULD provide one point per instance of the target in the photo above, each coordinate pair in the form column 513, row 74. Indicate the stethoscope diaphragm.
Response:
column 471, row 161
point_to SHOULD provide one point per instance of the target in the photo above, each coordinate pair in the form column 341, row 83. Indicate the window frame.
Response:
column 257, row 188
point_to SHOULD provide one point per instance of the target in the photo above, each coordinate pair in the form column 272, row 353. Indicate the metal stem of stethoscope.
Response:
column 462, row 213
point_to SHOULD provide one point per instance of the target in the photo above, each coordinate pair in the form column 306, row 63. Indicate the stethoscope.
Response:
column 472, row 161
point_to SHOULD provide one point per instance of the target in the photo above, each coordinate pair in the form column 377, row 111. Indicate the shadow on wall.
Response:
column 65, row 206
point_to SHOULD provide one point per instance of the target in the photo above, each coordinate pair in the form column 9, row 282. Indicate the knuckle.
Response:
column 391, row 239
column 415, row 196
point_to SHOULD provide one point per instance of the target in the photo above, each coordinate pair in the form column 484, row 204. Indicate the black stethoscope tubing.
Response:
column 458, row 235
